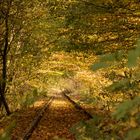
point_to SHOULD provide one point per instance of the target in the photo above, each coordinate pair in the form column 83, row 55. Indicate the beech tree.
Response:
column 19, row 43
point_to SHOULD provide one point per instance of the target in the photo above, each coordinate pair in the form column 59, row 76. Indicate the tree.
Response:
column 92, row 25
column 4, row 51
column 20, row 45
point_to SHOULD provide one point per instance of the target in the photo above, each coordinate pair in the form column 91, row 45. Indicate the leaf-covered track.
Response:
column 35, row 122
column 77, row 106
column 56, row 118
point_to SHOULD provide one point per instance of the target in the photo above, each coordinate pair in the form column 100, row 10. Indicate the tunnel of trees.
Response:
column 88, row 46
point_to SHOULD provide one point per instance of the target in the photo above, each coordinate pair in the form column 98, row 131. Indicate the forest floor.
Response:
column 56, row 122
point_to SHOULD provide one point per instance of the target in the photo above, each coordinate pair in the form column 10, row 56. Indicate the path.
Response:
column 57, row 121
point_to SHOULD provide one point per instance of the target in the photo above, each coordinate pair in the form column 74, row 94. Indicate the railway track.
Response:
column 49, row 117
column 35, row 122
column 77, row 106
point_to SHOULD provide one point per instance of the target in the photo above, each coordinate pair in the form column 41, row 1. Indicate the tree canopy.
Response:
column 91, row 47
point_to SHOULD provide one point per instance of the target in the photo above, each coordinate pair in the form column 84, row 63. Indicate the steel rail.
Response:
column 77, row 106
column 37, row 119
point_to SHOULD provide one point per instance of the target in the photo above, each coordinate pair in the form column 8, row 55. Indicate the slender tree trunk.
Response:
column 4, row 63
column 3, row 100
column 4, row 80
column 0, row 99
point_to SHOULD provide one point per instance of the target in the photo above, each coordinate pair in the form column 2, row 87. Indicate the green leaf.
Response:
column 87, row 130
column 119, row 85
column 79, row 130
column 35, row 93
column 7, row 133
column 107, row 60
column 108, row 57
column 132, row 58
column 123, row 109
column 100, row 65
column 78, row 127
column 126, row 107
column 112, row 57
column 133, row 55
column 133, row 134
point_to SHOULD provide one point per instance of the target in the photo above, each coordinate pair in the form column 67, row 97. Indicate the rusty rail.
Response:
column 77, row 106
column 35, row 122
column 37, row 119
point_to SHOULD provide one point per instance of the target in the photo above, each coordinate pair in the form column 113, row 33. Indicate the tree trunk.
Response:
column 3, row 100
column 4, row 63
column 0, row 100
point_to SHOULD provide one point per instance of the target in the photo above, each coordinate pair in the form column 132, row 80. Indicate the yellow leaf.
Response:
column 133, row 122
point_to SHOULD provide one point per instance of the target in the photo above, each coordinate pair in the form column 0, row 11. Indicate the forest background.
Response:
column 88, row 46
